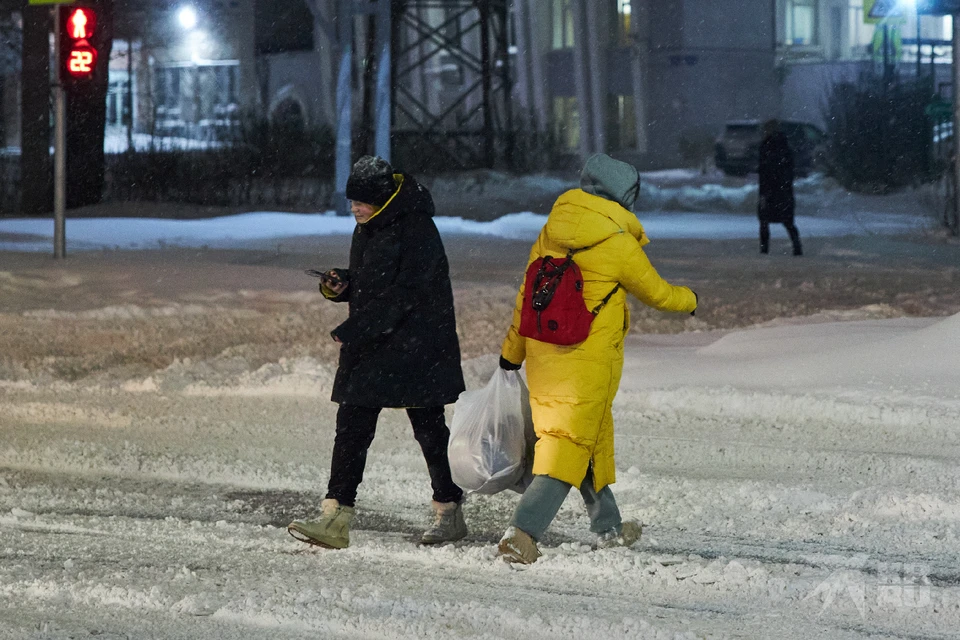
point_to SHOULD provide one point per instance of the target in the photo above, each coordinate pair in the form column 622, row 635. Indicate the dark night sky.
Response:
column 283, row 25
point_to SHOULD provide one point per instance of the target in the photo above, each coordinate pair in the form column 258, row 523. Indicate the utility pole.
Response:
column 583, row 81
column 59, row 147
column 346, row 11
column 919, row 60
column 956, row 115
column 128, row 96
column 344, row 104
column 640, row 41
column 383, row 106
column 887, row 67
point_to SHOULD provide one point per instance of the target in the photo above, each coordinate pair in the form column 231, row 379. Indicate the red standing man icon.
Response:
column 78, row 24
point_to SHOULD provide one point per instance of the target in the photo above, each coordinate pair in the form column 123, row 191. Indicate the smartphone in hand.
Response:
column 330, row 279
column 326, row 276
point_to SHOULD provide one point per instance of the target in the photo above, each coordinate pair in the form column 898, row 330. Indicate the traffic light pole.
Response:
column 59, row 148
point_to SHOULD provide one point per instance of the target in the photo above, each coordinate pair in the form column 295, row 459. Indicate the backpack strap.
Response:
column 606, row 298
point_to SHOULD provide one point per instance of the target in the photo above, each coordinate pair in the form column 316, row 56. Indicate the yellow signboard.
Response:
column 51, row 1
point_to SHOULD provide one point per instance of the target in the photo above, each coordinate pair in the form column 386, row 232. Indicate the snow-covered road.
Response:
column 774, row 507
column 793, row 450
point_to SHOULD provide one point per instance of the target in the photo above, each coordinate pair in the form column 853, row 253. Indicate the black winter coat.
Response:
column 776, row 180
column 400, row 345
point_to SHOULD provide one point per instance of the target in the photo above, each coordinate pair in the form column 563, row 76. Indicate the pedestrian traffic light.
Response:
column 79, row 40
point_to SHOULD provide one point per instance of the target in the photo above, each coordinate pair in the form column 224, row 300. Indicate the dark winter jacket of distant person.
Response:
column 399, row 344
column 776, row 202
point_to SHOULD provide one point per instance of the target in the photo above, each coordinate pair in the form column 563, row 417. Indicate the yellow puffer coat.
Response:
column 572, row 387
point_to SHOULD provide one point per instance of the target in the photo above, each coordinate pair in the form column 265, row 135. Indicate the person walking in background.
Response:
column 572, row 387
column 776, row 202
column 399, row 347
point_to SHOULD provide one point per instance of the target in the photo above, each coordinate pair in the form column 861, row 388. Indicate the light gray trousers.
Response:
column 541, row 502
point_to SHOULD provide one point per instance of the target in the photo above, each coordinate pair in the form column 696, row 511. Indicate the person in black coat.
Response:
column 399, row 346
column 776, row 202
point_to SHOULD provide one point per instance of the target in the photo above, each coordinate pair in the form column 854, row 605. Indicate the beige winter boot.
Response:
column 629, row 533
column 330, row 531
column 516, row 545
column 448, row 524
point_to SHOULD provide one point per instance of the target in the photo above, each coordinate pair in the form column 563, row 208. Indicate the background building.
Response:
column 652, row 82
column 181, row 69
column 821, row 42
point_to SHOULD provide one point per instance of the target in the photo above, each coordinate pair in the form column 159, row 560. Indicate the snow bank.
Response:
column 264, row 230
column 872, row 354
column 713, row 197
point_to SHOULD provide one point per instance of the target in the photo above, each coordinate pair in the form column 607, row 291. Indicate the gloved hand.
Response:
column 506, row 365
column 694, row 312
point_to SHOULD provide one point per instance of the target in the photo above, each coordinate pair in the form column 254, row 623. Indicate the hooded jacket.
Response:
column 572, row 387
column 399, row 343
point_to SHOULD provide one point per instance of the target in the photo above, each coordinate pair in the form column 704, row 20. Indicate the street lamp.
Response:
column 187, row 17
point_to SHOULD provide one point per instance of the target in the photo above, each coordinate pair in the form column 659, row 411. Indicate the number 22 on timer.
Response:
column 81, row 62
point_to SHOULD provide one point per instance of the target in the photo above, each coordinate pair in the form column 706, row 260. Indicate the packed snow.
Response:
column 792, row 450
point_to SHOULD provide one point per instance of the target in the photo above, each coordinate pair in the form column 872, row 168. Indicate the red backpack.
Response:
column 553, row 309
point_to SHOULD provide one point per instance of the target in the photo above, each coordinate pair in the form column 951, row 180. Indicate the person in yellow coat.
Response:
column 572, row 387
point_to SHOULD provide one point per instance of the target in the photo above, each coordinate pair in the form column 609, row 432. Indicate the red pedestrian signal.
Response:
column 78, row 45
column 81, row 23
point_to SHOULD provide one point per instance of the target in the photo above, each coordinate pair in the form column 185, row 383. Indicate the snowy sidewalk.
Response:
column 792, row 481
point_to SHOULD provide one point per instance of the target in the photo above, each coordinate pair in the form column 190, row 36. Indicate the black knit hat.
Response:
column 371, row 181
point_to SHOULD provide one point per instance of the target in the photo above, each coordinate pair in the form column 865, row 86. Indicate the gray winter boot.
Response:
column 448, row 524
column 629, row 533
column 516, row 545
column 330, row 531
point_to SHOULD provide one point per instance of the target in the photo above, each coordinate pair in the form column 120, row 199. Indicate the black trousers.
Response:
column 356, row 427
column 791, row 229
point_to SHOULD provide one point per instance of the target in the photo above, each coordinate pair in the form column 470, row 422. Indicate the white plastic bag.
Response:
column 492, row 437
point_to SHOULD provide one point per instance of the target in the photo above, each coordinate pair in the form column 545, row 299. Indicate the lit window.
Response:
column 801, row 22
column 860, row 34
column 621, row 122
column 566, row 122
column 562, row 24
column 623, row 21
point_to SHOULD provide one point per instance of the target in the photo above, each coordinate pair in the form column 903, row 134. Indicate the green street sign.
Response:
column 886, row 11
column 939, row 110
column 50, row 1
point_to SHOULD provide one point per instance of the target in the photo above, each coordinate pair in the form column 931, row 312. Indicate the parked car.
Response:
column 738, row 147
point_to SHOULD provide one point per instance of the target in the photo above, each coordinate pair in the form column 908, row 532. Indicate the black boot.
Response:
column 764, row 237
column 795, row 239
